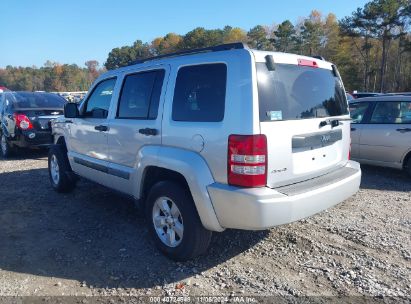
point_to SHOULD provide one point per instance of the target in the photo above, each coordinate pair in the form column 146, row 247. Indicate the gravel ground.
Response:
column 94, row 242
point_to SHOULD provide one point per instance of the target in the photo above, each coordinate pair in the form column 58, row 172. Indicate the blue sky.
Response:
column 73, row 31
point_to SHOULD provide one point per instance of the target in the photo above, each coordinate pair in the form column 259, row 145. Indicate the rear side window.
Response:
column 140, row 95
column 393, row 112
column 200, row 93
column 299, row 92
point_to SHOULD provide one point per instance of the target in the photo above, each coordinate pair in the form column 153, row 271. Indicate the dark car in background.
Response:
column 356, row 94
column 398, row 93
column 25, row 119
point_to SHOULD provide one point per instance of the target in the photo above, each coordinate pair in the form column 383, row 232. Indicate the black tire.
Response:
column 66, row 180
column 196, row 238
column 407, row 167
column 6, row 149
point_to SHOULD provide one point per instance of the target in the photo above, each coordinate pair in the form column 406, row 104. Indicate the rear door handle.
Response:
column 403, row 130
column 353, row 129
column 148, row 131
column 101, row 128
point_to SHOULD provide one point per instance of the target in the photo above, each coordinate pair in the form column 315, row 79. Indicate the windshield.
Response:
column 299, row 92
column 28, row 100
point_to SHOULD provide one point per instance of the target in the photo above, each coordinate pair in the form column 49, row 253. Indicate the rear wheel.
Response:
column 61, row 177
column 5, row 147
column 174, row 222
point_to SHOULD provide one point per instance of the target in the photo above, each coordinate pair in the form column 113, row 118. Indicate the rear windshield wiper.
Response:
column 269, row 62
column 333, row 122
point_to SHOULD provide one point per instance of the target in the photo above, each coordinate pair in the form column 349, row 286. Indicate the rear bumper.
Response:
column 25, row 139
column 262, row 208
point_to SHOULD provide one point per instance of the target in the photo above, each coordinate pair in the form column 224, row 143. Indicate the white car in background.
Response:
column 381, row 131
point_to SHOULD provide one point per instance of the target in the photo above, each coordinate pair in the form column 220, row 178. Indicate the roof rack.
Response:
column 217, row 48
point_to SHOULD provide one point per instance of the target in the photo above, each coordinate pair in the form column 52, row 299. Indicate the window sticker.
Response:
column 275, row 115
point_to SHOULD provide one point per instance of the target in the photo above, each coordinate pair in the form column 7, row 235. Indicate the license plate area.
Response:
column 316, row 151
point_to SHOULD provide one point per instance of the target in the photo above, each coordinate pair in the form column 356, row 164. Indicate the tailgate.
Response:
column 299, row 150
column 304, row 115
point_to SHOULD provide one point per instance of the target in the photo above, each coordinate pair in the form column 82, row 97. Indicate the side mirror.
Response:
column 71, row 110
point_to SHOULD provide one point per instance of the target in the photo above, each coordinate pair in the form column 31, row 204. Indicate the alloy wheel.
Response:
column 54, row 170
column 168, row 221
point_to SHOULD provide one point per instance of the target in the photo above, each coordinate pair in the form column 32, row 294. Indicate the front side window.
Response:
column 140, row 95
column 199, row 94
column 99, row 101
column 357, row 111
column 394, row 112
column 299, row 92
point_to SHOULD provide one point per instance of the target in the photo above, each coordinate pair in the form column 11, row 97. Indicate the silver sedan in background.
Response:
column 381, row 131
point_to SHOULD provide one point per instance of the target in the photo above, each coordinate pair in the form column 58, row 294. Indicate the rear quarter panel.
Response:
column 240, row 114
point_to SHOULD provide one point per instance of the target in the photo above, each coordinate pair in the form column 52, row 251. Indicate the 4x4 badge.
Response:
column 279, row 170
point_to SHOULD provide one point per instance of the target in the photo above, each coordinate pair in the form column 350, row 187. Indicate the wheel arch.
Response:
column 186, row 167
column 407, row 157
column 60, row 140
column 154, row 174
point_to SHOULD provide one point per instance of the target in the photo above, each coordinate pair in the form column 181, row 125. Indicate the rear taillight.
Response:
column 247, row 160
column 22, row 121
column 309, row 63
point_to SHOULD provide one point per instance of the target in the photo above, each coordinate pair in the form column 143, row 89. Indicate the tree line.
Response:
column 371, row 47
column 52, row 77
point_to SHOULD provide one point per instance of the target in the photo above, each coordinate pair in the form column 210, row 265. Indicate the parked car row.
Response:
column 75, row 97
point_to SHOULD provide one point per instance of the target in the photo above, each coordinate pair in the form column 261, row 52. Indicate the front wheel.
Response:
column 174, row 222
column 61, row 177
column 5, row 147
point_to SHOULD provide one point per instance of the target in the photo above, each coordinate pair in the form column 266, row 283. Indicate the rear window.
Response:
column 298, row 92
column 27, row 100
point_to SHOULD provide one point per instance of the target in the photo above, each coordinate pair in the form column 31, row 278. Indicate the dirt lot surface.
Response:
column 93, row 242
